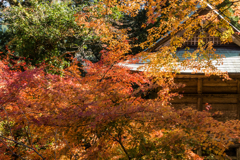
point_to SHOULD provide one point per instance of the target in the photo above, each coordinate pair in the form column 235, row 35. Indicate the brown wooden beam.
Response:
column 189, row 75
column 238, row 153
column 238, row 103
column 234, row 145
column 212, row 95
column 199, row 104
column 199, row 90
column 200, row 84
column 199, row 152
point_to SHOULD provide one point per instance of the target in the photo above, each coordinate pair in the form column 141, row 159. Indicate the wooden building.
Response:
column 200, row 89
column 222, row 95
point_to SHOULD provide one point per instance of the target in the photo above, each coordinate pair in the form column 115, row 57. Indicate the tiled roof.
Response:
column 231, row 62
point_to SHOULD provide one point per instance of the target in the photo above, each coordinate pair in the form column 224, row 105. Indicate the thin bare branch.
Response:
column 23, row 145
column 11, row 149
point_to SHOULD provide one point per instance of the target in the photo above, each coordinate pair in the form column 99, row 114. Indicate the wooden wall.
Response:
column 221, row 95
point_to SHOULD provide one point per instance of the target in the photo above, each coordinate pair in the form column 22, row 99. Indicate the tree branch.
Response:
column 129, row 158
column 119, row 140
column 14, row 154
column 23, row 145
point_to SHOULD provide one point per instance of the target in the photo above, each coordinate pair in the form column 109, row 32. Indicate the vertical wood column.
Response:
column 199, row 152
column 199, row 90
column 238, row 99
column 238, row 153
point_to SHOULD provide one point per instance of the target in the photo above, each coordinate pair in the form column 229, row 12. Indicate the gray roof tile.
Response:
column 231, row 62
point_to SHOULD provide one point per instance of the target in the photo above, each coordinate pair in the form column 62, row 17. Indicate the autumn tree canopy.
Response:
column 103, row 114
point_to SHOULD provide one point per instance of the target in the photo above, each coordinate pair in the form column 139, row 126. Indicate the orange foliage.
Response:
column 104, row 115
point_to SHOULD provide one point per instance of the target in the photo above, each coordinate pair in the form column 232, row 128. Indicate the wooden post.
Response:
column 238, row 153
column 199, row 90
column 238, row 99
column 199, row 152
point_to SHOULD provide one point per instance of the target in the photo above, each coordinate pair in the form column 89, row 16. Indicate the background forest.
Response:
column 64, row 94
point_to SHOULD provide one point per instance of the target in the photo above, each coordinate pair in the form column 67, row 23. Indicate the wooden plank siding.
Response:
column 238, row 103
column 222, row 95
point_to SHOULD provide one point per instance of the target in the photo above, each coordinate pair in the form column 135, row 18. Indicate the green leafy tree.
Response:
column 44, row 31
column 47, row 32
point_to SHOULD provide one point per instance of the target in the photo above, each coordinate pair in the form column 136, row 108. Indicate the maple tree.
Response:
column 103, row 114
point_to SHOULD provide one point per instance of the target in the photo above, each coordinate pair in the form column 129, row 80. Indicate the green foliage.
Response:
column 45, row 32
column 99, row 115
column 138, row 27
column 5, row 37
column 137, row 34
